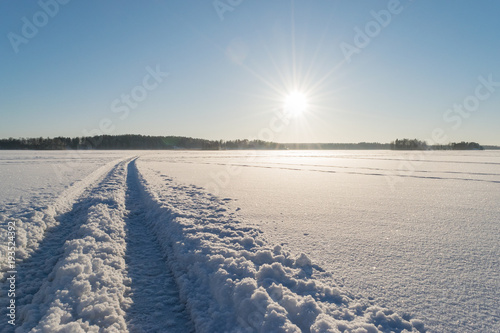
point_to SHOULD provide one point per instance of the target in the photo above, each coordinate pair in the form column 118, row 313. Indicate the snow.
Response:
column 417, row 232
column 35, row 189
column 255, row 241
column 84, row 291
column 37, row 177
column 233, row 280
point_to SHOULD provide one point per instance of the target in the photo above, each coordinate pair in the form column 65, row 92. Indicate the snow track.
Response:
column 32, row 224
column 234, row 281
column 75, row 280
column 138, row 252
column 155, row 304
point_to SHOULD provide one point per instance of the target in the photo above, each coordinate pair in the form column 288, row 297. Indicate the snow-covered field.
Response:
column 244, row 241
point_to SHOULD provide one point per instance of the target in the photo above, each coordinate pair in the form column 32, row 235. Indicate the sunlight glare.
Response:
column 295, row 103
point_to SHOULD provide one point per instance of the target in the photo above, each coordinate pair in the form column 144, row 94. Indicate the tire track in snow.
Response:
column 156, row 304
column 231, row 279
column 34, row 271
column 33, row 223
column 78, row 280
column 39, row 269
column 382, row 173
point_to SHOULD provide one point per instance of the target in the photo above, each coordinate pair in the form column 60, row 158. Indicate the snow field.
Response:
column 31, row 224
column 85, row 290
column 132, row 250
column 429, row 248
column 233, row 281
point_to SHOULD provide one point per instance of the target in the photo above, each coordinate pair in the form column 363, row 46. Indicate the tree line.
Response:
column 415, row 144
column 132, row 141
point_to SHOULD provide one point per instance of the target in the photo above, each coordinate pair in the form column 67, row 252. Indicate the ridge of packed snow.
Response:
column 221, row 275
column 32, row 224
column 85, row 290
column 233, row 281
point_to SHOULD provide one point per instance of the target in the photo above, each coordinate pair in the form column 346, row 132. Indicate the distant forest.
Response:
column 130, row 141
column 167, row 142
column 415, row 144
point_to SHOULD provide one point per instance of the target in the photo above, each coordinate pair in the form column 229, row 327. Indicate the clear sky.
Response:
column 368, row 70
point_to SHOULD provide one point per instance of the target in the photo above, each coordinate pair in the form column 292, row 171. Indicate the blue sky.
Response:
column 428, row 70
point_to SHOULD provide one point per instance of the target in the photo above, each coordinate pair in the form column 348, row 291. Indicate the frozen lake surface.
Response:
column 417, row 231
column 413, row 232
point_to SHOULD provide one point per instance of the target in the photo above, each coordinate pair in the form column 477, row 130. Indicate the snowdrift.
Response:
column 78, row 274
column 32, row 224
column 233, row 281
column 85, row 288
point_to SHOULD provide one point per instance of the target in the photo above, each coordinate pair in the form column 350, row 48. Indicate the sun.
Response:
column 295, row 103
